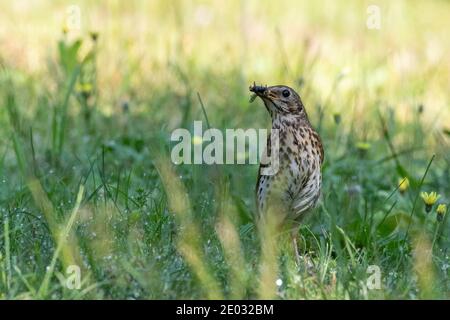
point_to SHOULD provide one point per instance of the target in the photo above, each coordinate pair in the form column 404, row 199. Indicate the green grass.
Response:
column 85, row 171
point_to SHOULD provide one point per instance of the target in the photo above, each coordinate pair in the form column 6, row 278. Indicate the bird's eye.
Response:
column 286, row 93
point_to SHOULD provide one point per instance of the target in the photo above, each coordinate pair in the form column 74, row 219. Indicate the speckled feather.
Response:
column 299, row 179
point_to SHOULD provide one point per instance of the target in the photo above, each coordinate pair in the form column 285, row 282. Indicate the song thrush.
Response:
column 298, row 181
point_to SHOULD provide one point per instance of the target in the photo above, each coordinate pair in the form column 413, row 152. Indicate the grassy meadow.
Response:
column 91, row 91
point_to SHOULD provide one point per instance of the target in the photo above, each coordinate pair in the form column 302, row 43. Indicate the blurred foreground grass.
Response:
column 86, row 117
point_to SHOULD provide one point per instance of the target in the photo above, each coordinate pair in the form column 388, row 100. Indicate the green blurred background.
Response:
column 91, row 90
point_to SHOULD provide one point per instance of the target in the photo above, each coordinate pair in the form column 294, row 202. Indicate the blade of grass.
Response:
column 394, row 154
column 7, row 252
column 417, row 196
column 25, row 281
column 203, row 110
column 189, row 242
column 61, row 116
column 63, row 235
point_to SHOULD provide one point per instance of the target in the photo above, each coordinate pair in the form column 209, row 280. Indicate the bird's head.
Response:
column 281, row 100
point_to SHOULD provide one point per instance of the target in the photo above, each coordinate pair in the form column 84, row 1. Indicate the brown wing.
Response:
column 317, row 143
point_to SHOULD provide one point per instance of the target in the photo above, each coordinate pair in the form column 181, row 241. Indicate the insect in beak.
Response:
column 257, row 91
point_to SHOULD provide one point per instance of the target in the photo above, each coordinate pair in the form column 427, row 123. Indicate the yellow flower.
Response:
column 85, row 88
column 429, row 199
column 403, row 184
column 363, row 146
column 441, row 210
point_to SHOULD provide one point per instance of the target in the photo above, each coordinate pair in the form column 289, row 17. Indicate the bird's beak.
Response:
column 264, row 93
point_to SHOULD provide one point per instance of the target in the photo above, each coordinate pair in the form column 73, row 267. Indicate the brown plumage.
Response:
column 297, row 182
